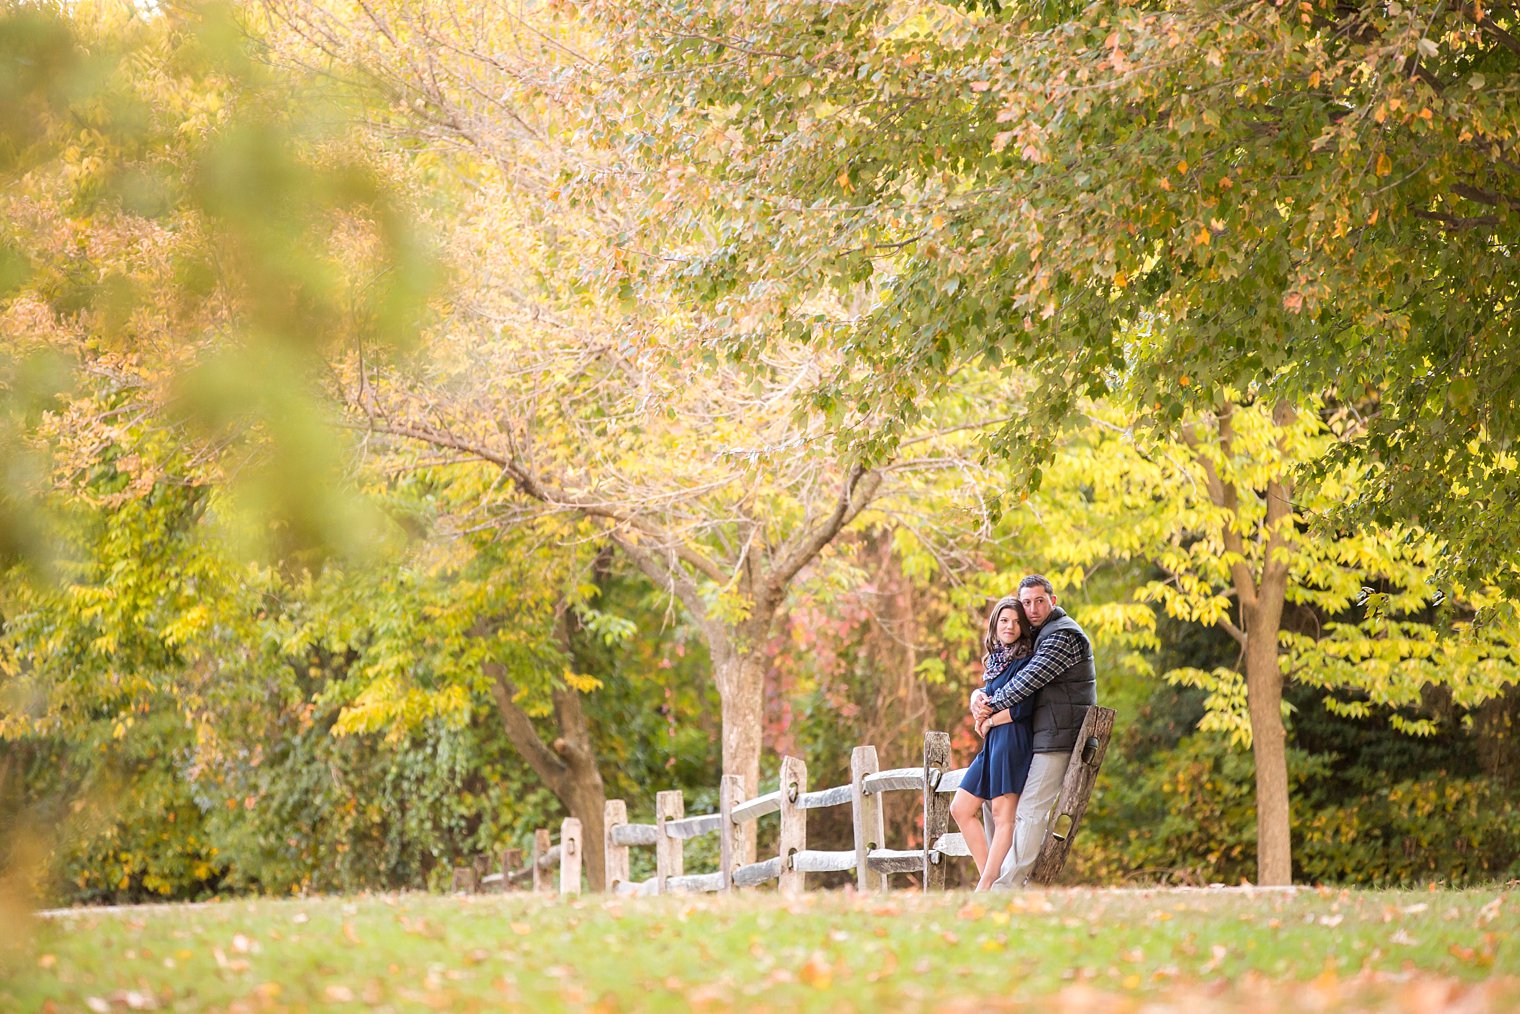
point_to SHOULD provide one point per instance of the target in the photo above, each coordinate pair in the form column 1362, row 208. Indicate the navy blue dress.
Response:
column 1002, row 765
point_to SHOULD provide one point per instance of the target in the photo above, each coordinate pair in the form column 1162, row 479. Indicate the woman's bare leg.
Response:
column 967, row 811
column 1003, row 810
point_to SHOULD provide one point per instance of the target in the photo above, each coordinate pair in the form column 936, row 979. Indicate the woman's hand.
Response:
column 978, row 706
column 1001, row 718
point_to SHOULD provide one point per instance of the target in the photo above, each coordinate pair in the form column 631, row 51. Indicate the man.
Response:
column 1063, row 681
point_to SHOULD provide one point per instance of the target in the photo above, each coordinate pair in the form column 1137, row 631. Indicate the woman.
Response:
column 1000, row 769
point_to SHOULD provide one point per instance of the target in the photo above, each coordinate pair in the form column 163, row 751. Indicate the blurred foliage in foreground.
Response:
column 186, row 234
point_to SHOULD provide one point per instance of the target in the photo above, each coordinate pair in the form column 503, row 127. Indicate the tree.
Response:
column 592, row 391
column 152, row 675
column 452, row 625
column 1301, row 199
column 1217, row 512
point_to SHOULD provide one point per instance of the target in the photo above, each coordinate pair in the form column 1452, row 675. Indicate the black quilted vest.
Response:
column 1061, row 705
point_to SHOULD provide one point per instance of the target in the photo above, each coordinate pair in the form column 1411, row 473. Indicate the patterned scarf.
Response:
column 1001, row 657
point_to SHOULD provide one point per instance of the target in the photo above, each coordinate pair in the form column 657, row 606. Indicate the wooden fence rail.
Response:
column 791, row 799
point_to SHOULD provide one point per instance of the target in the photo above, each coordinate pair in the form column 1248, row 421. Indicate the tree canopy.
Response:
column 1172, row 199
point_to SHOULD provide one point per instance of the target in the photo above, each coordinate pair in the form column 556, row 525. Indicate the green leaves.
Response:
column 1312, row 204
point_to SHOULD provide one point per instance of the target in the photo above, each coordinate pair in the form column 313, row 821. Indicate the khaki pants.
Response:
column 1041, row 790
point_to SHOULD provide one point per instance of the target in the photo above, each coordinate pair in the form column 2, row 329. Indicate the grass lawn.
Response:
column 1070, row 950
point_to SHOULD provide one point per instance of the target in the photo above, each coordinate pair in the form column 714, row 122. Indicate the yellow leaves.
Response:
column 843, row 179
column 580, row 682
column 1203, row 237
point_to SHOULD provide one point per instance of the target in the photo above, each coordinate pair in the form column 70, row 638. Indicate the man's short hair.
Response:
column 1037, row 581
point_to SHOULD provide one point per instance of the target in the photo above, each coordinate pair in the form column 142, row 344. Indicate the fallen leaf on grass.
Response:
column 816, row 971
column 886, row 966
column 422, row 928
column 339, row 994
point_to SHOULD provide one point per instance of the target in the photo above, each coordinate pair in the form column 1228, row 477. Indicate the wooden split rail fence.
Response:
column 791, row 799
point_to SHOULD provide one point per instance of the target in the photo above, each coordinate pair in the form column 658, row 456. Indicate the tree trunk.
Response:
column 585, row 796
column 741, row 689
column 1261, row 598
column 567, row 766
column 1264, row 681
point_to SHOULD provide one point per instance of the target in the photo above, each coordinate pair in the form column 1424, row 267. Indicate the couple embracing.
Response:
column 1039, row 682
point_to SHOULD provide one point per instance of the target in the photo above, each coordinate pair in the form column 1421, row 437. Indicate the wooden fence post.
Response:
column 616, row 864
column 866, row 809
column 1076, row 787
column 570, row 856
column 511, row 862
column 936, row 806
column 730, row 835
column 669, row 859
column 465, row 880
column 541, row 848
column 793, row 824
